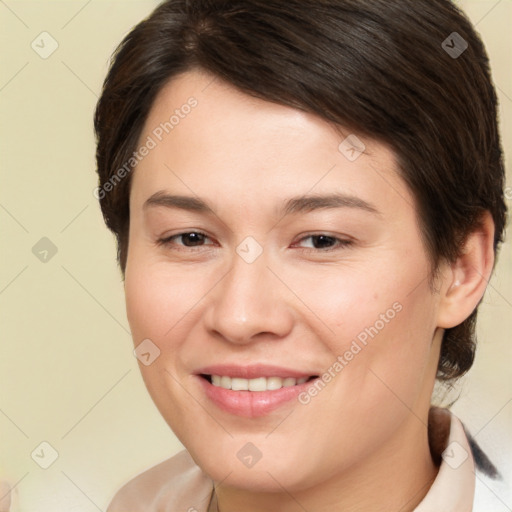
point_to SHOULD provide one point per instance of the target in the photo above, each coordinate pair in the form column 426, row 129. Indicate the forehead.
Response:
column 209, row 139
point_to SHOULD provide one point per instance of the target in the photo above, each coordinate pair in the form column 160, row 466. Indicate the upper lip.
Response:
column 253, row 371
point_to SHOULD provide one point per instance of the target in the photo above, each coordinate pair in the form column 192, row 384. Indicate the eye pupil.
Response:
column 192, row 239
column 323, row 241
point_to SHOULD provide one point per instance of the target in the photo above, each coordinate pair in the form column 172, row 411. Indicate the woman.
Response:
column 308, row 200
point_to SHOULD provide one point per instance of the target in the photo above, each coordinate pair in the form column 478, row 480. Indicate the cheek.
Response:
column 348, row 299
column 386, row 355
column 378, row 326
column 157, row 298
column 160, row 308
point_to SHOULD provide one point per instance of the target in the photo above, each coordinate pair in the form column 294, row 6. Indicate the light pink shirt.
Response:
column 179, row 485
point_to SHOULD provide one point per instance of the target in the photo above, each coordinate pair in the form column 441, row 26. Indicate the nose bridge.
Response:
column 246, row 302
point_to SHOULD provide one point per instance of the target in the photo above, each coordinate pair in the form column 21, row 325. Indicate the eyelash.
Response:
column 340, row 242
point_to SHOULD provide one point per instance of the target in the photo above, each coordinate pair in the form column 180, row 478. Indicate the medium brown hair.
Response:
column 383, row 69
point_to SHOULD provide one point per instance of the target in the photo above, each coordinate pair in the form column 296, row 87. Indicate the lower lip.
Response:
column 251, row 404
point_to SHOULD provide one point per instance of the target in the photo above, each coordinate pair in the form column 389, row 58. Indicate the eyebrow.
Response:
column 310, row 203
column 294, row 205
column 177, row 201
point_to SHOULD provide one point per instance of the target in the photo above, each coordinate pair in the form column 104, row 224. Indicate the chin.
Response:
column 269, row 475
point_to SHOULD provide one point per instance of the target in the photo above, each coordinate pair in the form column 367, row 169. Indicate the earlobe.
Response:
column 467, row 278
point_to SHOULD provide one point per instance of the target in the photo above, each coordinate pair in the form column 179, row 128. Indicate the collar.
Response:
column 454, row 487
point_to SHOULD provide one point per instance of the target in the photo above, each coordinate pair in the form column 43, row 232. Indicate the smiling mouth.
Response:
column 258, row 384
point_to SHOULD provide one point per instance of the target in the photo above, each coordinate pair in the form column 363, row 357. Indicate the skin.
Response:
column 361, row 443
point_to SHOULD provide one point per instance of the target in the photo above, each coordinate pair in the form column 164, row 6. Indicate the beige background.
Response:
column 68, row 376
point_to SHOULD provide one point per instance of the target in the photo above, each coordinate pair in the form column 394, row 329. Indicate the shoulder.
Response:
column 175, row 484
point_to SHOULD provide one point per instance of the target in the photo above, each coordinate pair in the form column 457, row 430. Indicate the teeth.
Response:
column 274, row 383
column 258, row 384
column 240, row 384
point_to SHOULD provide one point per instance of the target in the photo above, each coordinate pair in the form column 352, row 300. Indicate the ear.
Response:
column 465, row 280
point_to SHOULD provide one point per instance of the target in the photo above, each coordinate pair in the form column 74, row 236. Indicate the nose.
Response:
column 249, row 303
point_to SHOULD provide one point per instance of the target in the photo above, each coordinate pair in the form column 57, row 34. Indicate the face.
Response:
column 283, row 284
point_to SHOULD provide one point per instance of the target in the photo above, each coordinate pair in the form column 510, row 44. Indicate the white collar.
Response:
column 453, row 489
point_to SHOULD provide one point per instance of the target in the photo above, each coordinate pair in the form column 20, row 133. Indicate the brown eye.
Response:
column 188, row 239
column 322, row 242
column 192, row 239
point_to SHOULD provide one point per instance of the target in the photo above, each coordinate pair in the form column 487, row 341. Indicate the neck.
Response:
column 396, row 477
